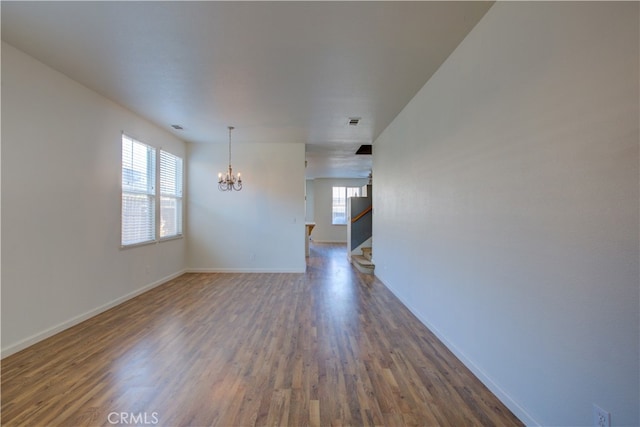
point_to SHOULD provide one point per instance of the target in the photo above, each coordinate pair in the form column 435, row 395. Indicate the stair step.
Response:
column 362, row 264
column 362, row 260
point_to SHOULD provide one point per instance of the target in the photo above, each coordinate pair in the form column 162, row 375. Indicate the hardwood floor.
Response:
column 329, row 347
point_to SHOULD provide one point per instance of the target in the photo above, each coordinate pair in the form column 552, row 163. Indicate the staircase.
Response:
column 359, row 231
column 363, row 262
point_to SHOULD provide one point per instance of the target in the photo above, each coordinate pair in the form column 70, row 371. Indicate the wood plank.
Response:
column 328, row 347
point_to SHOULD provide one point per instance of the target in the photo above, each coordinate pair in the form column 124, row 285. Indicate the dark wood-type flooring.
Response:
column 327, row 348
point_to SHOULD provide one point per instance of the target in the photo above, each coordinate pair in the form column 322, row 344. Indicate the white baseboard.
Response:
column 245, row 270
column 503, row 396
column 29, row 341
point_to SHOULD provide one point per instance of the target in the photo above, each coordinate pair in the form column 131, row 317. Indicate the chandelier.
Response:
column 228, row 181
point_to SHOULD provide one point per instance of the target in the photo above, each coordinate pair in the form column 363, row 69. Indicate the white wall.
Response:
column 324, row 231
column 61, row 256
column 260, row 228
column 310, row 199
column 513, row 230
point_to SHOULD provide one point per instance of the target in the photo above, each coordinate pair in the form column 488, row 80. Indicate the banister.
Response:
column 361, row 214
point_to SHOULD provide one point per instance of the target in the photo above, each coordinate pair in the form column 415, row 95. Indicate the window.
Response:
column 138, row 192
column 339, row 209
column 141, row 198
column 170, row 195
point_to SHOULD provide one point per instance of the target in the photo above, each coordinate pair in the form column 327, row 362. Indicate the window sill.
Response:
column 168, row 238
column 137, row 245
column 152, row 242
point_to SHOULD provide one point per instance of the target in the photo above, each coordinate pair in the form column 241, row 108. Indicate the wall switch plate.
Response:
column 601, row 418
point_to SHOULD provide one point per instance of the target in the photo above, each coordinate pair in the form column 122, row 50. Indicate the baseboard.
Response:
column 245, row 270
column 29, row 341
column 502, row 395
column 341, row 242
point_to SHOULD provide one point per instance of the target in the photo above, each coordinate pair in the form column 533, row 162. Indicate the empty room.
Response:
column 320, row 213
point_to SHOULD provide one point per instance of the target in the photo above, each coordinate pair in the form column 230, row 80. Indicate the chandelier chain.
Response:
column 230, row 129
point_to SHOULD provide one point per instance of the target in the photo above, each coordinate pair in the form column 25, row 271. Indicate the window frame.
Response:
column 156, row 196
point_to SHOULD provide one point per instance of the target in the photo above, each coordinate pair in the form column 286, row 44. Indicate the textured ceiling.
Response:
column 277, row 71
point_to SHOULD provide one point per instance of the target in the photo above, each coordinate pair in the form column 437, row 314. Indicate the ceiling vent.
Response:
column 353, row 121
column 364, row 149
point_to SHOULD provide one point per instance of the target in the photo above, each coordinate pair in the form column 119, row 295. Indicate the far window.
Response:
column 339, row 209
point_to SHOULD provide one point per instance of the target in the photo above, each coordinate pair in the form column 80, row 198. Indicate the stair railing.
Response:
column 361, row 214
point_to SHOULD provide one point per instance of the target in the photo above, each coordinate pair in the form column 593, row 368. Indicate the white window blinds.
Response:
column 339, row 203
column 138, row 192
column 170, row 195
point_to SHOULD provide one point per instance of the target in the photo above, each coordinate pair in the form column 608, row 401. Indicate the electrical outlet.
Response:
column 601, row 418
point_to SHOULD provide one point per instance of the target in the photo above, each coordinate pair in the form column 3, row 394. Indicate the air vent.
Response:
column 177, row 127
column 353, row 121
column 364, row 149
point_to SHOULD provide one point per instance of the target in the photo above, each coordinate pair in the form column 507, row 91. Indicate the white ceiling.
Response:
column 277, row 71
